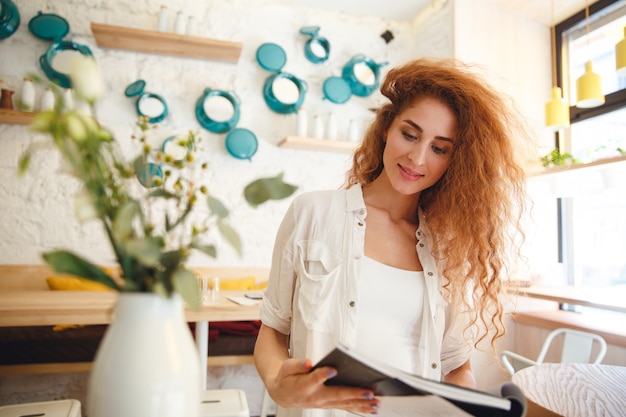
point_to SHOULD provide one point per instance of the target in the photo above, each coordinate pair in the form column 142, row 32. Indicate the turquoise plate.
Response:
column 241, row 143
column 337, row 90
column 49, row 27
column 271, row 57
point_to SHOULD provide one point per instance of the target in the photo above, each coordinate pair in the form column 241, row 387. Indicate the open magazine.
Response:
column 405, row 395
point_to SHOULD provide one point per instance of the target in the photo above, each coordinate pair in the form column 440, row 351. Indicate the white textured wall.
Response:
column 37, row 215
column 36, row 211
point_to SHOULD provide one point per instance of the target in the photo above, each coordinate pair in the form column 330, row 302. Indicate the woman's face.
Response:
column 419, row 145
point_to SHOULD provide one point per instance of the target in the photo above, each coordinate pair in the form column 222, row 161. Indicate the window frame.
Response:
column 614, row 101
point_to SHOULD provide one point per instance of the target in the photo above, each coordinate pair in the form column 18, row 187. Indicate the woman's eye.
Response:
column 408, row 135
column 439, row 151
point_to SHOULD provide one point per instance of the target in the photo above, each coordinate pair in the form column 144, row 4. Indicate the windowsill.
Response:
column 608, row 325
column 608, row 298
column 612, row 331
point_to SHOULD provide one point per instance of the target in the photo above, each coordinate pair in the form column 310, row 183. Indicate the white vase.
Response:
column 147, row 363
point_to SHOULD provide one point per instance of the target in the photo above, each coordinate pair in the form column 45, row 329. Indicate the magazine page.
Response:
column 355, row 369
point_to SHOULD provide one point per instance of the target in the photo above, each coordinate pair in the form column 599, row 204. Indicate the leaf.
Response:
column 217, row 207
column 24, row 163
column 65, row 262
column 147, row 250
column 123, row 221
column 230, row 235
column 160, row 192
column 171, row 259
column 264, row 189
column 206, row 249
column 186, row 284
column 139, row 165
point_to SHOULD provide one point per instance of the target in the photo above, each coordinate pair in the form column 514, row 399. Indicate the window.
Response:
column 592, row 224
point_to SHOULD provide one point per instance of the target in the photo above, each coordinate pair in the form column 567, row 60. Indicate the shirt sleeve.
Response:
column 276, row 309
column 457, row 345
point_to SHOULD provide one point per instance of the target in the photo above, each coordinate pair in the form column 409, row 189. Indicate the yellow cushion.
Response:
column 246, row 283
column 75, row 284
column 71, row 283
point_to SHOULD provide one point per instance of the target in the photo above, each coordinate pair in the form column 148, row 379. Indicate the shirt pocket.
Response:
column 319, row 271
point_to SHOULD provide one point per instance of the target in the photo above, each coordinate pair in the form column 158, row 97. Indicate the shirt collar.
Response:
column 354, row 198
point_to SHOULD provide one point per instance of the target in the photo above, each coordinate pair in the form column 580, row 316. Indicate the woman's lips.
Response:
column 407, row 172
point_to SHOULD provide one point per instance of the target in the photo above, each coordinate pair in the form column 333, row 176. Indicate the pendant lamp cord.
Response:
column 553, row 46
column 587, row 20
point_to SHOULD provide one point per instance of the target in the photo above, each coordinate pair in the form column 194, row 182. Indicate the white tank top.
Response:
column 390, row 314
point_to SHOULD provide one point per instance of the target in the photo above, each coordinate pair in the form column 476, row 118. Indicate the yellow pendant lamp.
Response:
column 589, row 88
column 557, row 109
column 589, row 85
column 620, row 55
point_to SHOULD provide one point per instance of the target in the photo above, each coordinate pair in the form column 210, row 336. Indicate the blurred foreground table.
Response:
column 575, row 390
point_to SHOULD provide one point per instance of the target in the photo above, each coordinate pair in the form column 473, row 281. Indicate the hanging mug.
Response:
column 218, row 110
column 362, row 74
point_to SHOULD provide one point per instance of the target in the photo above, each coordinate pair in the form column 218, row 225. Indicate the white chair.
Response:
column 224, row 403
column 577, row 348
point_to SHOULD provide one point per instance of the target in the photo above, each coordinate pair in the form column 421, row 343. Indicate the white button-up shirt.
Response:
column 313, row 290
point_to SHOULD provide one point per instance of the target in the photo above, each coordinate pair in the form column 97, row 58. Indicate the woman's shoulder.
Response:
column 319, row 196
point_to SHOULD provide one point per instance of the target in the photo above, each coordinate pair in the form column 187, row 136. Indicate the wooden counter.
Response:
column 42, row 308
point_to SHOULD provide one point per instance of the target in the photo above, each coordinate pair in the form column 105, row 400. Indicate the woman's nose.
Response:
column 417, row 155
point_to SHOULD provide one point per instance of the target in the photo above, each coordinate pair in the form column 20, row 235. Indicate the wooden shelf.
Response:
column 155, row 42
column 573, row 167
column 16, row 117
column 296, row 142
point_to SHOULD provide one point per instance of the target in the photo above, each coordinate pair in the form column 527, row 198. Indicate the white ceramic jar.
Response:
column 47, row 100
column 27, row 99
column 179, row 24
column 163, row 21
column 318, row 127
column 331, row 127
column 302, row 123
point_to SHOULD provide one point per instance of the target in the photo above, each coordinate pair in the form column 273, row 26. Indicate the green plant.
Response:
column 556, row 158
column 152, row 229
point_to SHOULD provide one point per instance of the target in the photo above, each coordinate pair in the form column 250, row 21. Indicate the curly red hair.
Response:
column 471, row 209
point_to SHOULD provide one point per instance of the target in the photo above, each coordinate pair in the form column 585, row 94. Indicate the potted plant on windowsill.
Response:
column 147, row 364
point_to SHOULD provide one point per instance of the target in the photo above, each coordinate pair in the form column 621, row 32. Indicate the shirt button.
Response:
column 419, row 233
column 430, row 274
column 352, row 303
column 361, row 212
column 360, row 223
column 421, row 245
column 433, row 365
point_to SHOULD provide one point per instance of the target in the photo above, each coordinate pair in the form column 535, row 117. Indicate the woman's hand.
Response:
column 296, row 387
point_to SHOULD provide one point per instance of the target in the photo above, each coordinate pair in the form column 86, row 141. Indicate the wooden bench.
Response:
column 33, row 278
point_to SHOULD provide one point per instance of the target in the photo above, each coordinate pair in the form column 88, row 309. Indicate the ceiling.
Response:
column 539, row 10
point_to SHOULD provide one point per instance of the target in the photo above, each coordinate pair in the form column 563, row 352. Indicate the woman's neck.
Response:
column 398, row 206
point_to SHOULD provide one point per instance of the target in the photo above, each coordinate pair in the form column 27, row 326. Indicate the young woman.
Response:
column 406, row 263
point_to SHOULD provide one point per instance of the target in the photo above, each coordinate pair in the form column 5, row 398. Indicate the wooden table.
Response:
column 575, row 390
column 43, row 308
